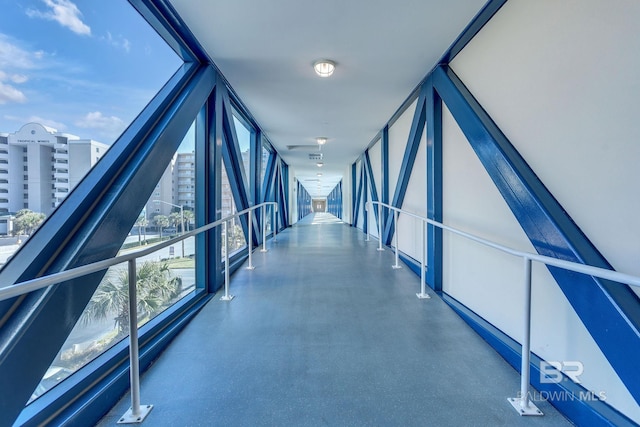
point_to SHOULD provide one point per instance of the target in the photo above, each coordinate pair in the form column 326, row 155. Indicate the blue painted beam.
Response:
column 610, row 312
column 167, row 23
column 372, row 185
column 255, row 152
column 365, row 192
column 232, row 157
column 208, row 197
column 434, row 186
column 384, row 148
column 283, row 208
column 357, row 206
column 413, row 142
column 353, row 193
column 473, row 28
column 267, row 185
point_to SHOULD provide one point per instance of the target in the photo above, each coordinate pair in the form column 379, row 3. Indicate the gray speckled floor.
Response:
column 325, row 333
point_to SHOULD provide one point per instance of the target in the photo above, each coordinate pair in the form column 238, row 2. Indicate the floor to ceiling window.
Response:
column 67, row 92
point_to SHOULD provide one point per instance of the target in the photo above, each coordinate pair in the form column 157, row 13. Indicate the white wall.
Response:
column 398, row 135
column 410, row 229
column 347, row 197
column 560, row 78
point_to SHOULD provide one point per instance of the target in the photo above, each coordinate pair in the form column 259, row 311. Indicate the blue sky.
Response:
column 86, row 67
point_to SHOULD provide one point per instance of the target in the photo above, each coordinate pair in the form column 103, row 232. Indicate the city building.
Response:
column 39, row 166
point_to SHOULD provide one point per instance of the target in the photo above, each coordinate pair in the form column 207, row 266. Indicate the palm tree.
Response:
column 156, row 286
column 161, row 221
column 176, row 219
column 142, row 222
column 188, row 217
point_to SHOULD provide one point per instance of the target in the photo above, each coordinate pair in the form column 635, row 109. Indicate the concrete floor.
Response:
column 325, row 333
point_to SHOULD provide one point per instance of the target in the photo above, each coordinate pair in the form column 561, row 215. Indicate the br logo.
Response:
column 552, row 371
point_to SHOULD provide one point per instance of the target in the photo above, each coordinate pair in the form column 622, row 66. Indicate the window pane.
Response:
column 67, row 84
column 244, row 142
column 236, row 235
column 163, row 278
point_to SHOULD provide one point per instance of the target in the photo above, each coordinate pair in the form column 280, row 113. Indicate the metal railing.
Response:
column 137, row 413
column 522, row 403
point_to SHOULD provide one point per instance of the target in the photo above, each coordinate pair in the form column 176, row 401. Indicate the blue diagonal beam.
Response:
column 413, row 142
column 356, row 211
column 372, row 185
column 353, row 194
column 434, row 186
column 232, row 157
column 610, row 311
column 283, row 200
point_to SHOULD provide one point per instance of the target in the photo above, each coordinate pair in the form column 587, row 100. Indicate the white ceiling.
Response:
column 266, row 50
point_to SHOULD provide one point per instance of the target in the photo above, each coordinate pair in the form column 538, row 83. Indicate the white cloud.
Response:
column 9, row 93
column 65, row 13
column 119, row 42
column 109, row 125
column 13, row 56
column 18, row 78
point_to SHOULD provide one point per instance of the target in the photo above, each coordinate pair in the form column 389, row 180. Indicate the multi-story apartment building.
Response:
column 39, row 166
column 184, row 180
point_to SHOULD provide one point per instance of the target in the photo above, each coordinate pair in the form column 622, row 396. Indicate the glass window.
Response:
column 163, row 278
column 75, row 74
column 244, row 142
column 236, row 235
column 67, row 84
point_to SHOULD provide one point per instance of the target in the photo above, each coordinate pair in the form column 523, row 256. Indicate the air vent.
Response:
column 315, row 156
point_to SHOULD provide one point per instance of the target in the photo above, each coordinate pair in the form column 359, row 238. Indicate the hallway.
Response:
column 325, row 332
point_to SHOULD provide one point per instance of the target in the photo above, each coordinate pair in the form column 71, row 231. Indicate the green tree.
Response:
column 156, row 285
column 142, row 223
column 161, row 221
column 27, row 221
column 176, row 219
column 189, row 216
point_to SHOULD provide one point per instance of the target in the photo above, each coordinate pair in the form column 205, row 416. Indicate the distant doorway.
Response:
column 319, row 205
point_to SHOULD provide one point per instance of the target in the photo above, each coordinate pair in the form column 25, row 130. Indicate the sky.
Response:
column 85, row 67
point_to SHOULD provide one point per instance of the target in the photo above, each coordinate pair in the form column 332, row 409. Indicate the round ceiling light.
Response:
column 319, row 164
column 324, row 67
column 321, row 140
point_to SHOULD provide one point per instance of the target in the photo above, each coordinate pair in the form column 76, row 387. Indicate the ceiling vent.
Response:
column 315, row 156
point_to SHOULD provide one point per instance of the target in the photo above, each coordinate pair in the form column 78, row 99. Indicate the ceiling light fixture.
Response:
column 319, row 174
column 324, row 67
column 321, row 140
column 319, row 164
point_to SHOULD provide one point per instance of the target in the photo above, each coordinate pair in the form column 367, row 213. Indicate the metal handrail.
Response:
column 522, row 403
column 137, row 412
column 27, row 286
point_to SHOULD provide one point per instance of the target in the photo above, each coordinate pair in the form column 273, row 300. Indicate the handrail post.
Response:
column 136, row 414
column 380, row 227
column 522, row 404
column 395, row 224
column 226, row 296
column 423, row 279
column 275, row 223
column 250, row 242
column 264, row 229
column 366, row 218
